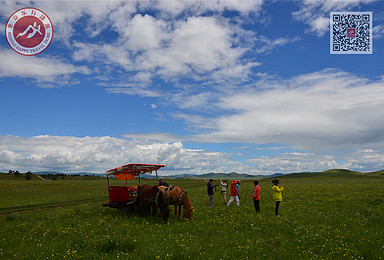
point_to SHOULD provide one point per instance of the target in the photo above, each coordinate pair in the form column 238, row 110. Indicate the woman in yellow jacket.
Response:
column 277, row 195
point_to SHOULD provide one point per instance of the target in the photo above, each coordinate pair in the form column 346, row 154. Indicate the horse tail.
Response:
column 160, row 201
column 157, row 198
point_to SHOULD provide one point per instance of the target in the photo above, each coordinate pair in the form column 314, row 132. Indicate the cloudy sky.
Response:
column 200, row 86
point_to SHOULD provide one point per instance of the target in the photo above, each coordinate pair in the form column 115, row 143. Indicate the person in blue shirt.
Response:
column 211, row 186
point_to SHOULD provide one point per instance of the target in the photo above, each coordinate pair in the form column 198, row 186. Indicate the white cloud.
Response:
column 193, row 100
column 322, row 110
column 296, row 162
column 316, row 13
column 198, row 7
column 144, row 33
column 190, row 39
column 65, row 13
column 197, row 46
column 378, row 31
column 367, row 159
column 360, row 160
column 130, row 89
column 266, row 45
column 46, row 69
column 199, row 49
column 99, row 154
column 154, row 137
column 65, row 16
column 241, row 147
column 270, row 148
column 203, row 44
column 195, row 122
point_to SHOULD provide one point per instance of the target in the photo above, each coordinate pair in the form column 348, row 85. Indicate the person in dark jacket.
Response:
column 211, row 191
column 162, row 182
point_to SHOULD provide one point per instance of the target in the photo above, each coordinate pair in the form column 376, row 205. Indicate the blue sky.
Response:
column 200, row 86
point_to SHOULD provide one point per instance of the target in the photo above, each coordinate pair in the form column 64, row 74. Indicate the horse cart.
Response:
column 136, row 199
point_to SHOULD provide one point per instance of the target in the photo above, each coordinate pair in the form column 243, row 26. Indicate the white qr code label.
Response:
column 351, row 32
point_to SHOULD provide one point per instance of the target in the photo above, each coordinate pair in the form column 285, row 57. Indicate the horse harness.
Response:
column 156, row 198
column 169, row 189
column 179, row 200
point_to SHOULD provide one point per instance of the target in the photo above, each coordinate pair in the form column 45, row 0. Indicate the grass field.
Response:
column 321, row 218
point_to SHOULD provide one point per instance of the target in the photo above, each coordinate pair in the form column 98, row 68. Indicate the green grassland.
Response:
column 322, row 217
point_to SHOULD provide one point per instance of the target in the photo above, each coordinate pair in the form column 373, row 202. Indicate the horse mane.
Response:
column 185, row 200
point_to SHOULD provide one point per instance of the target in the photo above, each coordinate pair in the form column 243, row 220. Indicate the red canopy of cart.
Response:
column 130, row 171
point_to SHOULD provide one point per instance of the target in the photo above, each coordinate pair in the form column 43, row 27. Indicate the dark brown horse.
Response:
column 178, row 196
column 151, row 197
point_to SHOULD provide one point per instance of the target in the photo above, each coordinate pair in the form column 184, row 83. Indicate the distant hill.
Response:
column 341, row 173
column 376, row 173
column 226, row 176
column 276, row 175
column 216, row 176
column 234, row 175
column 73, row 173
column 46, row 173
column 335, row 173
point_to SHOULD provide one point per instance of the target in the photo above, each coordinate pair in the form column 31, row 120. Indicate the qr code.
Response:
column 351, row 32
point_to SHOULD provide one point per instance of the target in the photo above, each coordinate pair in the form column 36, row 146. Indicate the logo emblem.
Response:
column 29, row 31
column 351, row 32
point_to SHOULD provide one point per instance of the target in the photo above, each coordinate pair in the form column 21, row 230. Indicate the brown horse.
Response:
column 151, row 197
column 178, row 196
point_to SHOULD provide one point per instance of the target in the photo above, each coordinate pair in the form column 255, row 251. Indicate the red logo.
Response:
column 351, row 32
column 29, row 31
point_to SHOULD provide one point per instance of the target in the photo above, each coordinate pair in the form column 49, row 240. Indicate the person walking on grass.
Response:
column 210, row 187
column 235, row 189
column 256, row 196
column 224, row 186
column 277, row 195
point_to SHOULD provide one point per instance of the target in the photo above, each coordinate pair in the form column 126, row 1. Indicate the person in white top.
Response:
column 224, row 186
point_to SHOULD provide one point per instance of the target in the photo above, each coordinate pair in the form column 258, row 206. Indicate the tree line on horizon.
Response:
column 50, row 176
